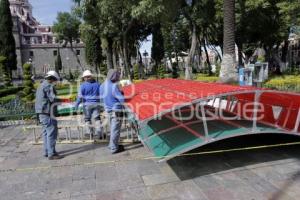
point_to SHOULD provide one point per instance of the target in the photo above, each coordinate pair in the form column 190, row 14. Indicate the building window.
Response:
column 55, row 53
column 78, row 52
column 31, row 54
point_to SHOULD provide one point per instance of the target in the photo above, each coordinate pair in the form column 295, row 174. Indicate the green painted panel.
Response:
column 180, row 139
column 172, row 142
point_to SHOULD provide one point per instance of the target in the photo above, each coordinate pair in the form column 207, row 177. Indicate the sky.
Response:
column 45, row 11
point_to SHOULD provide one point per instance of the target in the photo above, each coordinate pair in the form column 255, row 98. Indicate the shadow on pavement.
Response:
column 190, row 167
column 73, row 151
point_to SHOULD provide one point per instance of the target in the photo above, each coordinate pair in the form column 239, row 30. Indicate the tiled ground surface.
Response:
column 272, row 174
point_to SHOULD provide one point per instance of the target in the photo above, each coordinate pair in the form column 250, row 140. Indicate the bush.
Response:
column 7, row 99
column 137, row 81
column 218, row 69
column 4, row 75
column 161, row 71
column 286, row 83
column 10, row 90
column 206, row 78
column 28, row 91
column 175, row 70
column 136, row 72
column 103, row 69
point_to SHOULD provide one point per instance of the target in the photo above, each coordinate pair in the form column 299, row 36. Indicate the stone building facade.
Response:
column 37, row 44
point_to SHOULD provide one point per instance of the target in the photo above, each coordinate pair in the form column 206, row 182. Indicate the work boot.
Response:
column 55, row 157
column 119, row 150
column 46, row 155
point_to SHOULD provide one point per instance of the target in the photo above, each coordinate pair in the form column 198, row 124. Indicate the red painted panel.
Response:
column 153, row 97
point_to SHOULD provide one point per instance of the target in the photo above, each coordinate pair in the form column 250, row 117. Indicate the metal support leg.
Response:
column 297, row 123
column 35, row 136
column 256, row 100
column 204, row 123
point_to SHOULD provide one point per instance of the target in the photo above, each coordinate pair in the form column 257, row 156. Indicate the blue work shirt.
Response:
column 45, row 97
column 89, row 93
column 113, row 98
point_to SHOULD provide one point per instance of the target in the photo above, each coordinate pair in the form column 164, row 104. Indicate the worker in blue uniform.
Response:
column 45, row 108
column 89, row 95
column 113, row 100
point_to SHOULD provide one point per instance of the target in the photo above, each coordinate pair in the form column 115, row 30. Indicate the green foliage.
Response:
column 136, row 72
column 218, row 69
column 67, row 27
column 4, row 74
column 70, row 76
column 7, row 98
column 28, row 91
column 175, row 70
column 10, row 90
column 265, row 22
column 176, row 36
column 7, row 41
column 157, row 50
column 206, row 78
column 285, row 83
column 161, row 71
column 76, row 74
column 103, row 69
column 93, row 49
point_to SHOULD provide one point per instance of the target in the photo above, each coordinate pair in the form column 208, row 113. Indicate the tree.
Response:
column 7, row 41
column 157, row 51
column 4, row 76
column 28, row 91
column 136, row 72
column 58, row 62
column 161, row 71
column 67, row 30
column 93, row 49
column 228, row 70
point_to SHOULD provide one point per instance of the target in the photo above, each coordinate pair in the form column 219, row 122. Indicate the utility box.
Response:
column 260, row 73
column 245, row 77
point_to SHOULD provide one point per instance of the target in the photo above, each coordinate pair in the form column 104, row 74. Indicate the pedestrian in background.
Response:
column 89, row 95
column 45, row 108
column 113, row 99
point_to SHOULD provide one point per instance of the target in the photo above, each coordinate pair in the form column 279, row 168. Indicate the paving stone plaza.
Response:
column 90, row 172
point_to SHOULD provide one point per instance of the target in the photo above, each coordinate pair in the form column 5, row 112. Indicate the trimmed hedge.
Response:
column 206, row 78
column 285, row 83
column 6, row 99
column 10, row 90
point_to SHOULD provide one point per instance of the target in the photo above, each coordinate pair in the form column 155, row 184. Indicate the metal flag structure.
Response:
column 175, row 116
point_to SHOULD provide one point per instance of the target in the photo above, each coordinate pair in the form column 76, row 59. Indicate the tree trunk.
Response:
column 285, row 51
column 75, row 54
column 207, row 57
column 109, row 54
column 125, row 56
column 97, row 71
column 228, row 71
column 240, row 54
column 199, row 56
column 188, row 65
column 114, row 58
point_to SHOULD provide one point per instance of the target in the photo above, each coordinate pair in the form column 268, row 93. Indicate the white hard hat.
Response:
column 53, row 74
column 87, row 73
